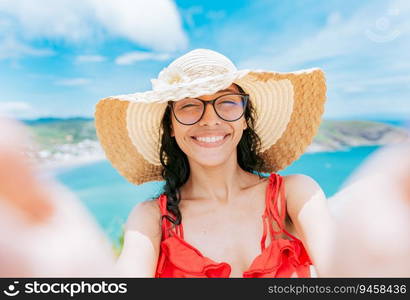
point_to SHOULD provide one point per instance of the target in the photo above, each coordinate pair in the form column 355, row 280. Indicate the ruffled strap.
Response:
column 168, row 228
column 274, row 193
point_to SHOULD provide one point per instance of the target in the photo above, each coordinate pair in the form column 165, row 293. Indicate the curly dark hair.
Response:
column 176, row 166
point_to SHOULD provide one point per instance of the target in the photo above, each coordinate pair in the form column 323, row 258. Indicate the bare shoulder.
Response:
column 142, row 237
column 145, row 217
column 300, row 189
column 297, row 181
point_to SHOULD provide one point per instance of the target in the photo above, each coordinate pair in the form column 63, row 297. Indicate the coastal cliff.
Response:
column 338, row 135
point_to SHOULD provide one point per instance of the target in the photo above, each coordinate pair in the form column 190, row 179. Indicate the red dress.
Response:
column 282, row 258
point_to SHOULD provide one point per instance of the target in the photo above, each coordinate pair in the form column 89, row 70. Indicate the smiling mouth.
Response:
column 210, row 139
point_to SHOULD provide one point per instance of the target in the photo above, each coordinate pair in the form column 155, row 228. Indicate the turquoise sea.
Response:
column 109, row 197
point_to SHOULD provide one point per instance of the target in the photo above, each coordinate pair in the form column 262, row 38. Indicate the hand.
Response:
column 44, row 229
column 19, row 187
column 373, row 217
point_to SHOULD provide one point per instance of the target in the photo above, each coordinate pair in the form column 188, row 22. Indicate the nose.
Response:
column 209, row 117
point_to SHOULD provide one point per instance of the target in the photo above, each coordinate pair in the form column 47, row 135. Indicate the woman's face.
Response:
column 210, row 141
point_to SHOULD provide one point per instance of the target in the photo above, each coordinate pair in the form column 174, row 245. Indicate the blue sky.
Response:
column 58, row 58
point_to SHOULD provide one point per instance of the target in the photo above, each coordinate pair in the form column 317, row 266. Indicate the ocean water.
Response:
column 110, row 198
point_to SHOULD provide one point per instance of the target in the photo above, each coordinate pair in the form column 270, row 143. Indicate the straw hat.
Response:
column 288, row 109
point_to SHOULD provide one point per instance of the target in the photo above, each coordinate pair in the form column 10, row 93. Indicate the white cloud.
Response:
column 14, row 109
column 11, row 48
column 89, row 58
column 132, row 57
column 394, row 108
column 73, row 81
column 368, row 83
column 189, row 14
column 366, row 73
column 343, row 37
column 153, row 24
column 216, row 15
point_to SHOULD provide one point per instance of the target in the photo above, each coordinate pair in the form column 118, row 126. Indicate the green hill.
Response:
column 50, row 132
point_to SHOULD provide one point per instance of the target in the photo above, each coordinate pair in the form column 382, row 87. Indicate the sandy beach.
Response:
column 56, row 166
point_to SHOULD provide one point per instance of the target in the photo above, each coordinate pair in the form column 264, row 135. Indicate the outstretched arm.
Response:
column 373, row 217
column 142, row 237
column 308, row 208
column 364, row 230
column 45, row 231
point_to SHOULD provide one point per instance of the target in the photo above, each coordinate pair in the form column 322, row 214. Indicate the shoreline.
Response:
column 58, row 166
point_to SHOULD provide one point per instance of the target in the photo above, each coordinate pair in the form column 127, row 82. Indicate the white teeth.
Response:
column 212, row 139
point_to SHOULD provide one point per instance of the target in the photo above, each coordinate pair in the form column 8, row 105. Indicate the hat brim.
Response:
column 288, row 109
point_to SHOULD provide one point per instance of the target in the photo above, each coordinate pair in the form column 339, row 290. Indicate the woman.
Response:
column 218, row 216
column 43, row 224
